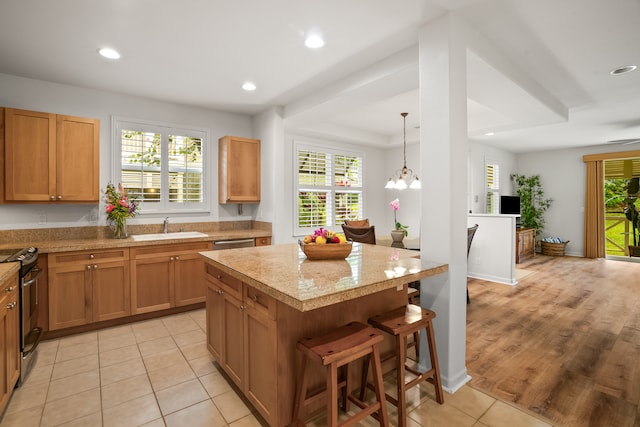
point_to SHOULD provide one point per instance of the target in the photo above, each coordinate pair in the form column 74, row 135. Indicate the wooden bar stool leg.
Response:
column 365, row 375
column 416, row 340
column 332, row 395
column 301, row 393
column 379, row 387
column 437, row 382
column 346, row 389
column 401, row 348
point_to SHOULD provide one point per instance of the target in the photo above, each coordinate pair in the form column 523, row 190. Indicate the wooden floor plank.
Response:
column 564, row 342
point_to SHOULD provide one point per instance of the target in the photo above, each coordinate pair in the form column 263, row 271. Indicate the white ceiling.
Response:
column 550, row 87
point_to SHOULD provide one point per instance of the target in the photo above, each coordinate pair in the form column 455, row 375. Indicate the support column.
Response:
column 443, row 166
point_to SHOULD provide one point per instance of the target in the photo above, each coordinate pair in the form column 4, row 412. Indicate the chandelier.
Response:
column 404, row 174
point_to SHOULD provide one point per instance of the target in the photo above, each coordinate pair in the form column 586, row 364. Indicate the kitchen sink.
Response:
column 168, row 236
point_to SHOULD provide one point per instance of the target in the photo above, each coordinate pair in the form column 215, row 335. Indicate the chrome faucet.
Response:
column 166, row 225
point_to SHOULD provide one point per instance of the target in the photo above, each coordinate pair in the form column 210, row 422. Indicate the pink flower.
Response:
column 109, row 208
column 395, row 205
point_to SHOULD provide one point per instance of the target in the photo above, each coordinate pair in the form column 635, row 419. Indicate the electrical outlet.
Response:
column 42, row 219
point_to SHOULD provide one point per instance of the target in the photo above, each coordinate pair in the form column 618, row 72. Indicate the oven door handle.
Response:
column 32, row 280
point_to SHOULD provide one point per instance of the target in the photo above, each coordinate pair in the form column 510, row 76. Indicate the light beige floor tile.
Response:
column 91, row 420
column 431, row 413
column 159, row 422
column 28, row 396
column 171, row 375
column 203, row 365
column 196, row 336
column 203, row 414
column 75, row 351
column 231, row 406
column 215, row 384
column 132, row 413
column 150, row 333
column 470, row 401
column 200, row 317
column 118, row 341
column 157, row 345
column 248, row 421
column 501, row 414
column 85, row 338
column 73, row 384
column 163, row 359
column 479, row 424
column 71, row 408
column 125, row 390
column 194, row 351
column 40, row 373
column 119, row 355
column 75, row 366
column 116, row 331
column 180, row 323
column 180, row 396
column 27, row 418
column 120, row 371
column 47, row 351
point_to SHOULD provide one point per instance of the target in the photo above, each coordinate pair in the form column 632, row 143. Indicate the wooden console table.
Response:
column 525, row 244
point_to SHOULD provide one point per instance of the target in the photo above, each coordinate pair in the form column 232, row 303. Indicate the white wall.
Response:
column 479, row 154
column 410, row 200
column 563, row 174
column 17, row 92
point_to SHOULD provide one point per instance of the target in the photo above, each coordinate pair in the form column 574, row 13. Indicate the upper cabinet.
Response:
column 50, row 158
column 238, row 170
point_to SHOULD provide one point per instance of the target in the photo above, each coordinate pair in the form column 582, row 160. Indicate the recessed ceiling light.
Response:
column 248, row 86
column 623, row 70
column 314, row 41
column 490, row 133
column 109, row 53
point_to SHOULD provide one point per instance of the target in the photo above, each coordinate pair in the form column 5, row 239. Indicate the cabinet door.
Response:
column 30, row 168
column 111, row 291
column 152, row 284
column 77, row 159
column 13, row 338
column 239, row 170
column 189, row 275
column 261, row 368
column 70, row 296
column 232, row 346
column 215, row 326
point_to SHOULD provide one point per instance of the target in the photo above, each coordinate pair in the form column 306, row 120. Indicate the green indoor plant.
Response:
column 533, row 203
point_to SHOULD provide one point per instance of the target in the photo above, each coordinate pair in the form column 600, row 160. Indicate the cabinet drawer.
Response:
column 227, row 282
column 260, row 301
column 263, row 241
column 101, row 255
column 173, row 249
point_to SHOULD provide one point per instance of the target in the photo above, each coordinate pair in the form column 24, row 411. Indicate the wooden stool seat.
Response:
column 334, row 350
column 401, row 323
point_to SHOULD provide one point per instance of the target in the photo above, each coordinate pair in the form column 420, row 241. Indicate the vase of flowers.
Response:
column 119, row 207
column 400, row 232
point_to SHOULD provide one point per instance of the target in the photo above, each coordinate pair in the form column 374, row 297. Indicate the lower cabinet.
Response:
column 88, row 286
column 241, row 335
column 9, row 338
column 525, row 244
column 165, row 276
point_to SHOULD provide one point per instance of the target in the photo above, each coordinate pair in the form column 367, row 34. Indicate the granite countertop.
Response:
column 284, row 272
column 77, row 244
column 7, row 269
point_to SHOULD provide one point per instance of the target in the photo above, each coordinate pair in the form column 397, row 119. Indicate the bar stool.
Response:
column 401, row 323
column 334, row 350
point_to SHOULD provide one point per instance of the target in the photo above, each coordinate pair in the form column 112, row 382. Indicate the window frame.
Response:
column 164, row 129
column 495, row 191
column 299, row 146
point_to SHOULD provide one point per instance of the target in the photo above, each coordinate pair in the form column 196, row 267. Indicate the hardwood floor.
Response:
column 564, row 342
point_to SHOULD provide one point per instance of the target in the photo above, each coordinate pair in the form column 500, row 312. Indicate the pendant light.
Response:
column 404, row 174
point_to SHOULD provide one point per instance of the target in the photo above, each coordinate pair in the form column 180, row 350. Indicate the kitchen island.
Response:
column 262, row 300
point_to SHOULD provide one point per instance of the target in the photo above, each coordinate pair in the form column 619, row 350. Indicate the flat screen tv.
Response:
column 510, row 205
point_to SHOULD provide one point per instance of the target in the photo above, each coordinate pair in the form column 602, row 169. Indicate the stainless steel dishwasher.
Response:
column 219, row 245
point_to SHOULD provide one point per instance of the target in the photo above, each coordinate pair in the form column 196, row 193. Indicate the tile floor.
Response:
column 159, row 373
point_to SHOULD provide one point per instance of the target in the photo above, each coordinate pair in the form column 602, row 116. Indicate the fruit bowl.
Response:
column 319, row 251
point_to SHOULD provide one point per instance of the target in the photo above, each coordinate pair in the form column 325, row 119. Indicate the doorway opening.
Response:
column 622, row 203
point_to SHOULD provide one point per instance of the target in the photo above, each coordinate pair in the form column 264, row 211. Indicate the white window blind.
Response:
column 329, row 188
column 492, row 176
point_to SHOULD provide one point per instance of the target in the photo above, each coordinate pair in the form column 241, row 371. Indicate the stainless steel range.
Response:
column 30, row 332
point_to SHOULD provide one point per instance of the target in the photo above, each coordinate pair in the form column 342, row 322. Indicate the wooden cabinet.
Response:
column 525, row 244
column 88, row 286
column 9, row 338
column 50, row 158
column 238, row 170
column 263, row 241
column 165, row 276
column 241, row 335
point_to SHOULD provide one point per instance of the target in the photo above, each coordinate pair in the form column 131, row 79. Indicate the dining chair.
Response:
column 360, row 234
column 357, row 222
column 471, row 231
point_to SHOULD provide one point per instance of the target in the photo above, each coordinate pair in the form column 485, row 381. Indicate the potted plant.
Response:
column 400, row 232
column 631, row 212
column 533, row 203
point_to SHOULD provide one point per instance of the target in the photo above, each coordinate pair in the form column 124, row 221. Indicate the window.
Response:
column 162, row 166
column 329, row 188
column 492, row 177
